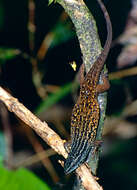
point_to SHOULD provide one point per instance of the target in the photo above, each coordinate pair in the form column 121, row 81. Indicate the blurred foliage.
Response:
column 62, row 33
column 2, row 146
column 53, row 98
column 119, row 167
column 20, row 179
column 8, row 53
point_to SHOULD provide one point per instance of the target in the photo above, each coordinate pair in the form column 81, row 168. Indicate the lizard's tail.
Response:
column 77, row 157
column 98, row 65
column 109, row 30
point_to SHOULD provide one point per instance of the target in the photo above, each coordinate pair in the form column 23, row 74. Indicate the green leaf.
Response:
column 21, row 179
column 1, row 161
column 50, row 1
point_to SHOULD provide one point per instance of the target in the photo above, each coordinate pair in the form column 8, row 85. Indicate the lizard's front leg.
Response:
column 104, row 86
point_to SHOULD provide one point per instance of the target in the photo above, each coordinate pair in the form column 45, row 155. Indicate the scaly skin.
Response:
column 86, row 112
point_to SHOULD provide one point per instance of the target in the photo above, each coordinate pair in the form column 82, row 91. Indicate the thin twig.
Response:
column 123, row 73
column 31, row 24
column 35, row 158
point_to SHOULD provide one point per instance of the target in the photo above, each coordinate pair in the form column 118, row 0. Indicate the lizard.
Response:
column 86, row 112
